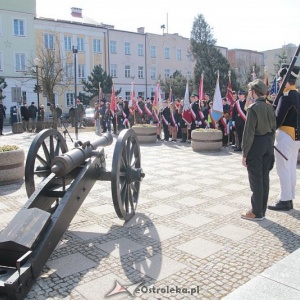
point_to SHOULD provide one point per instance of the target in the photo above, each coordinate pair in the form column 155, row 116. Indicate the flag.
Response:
column 113, row 104
column 229, row 93
column 217, row 108
column 132, row 101
column 186, row 113
column 201, row 89
column 274, row 87
column 266, row 80
column 170, row 95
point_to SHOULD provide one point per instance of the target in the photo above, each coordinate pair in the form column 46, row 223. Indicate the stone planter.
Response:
column 12, row 166
column 206, row 140
column 145, row 134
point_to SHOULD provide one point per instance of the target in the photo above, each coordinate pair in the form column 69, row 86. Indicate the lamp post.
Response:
column 75, row 51
column 36, row 63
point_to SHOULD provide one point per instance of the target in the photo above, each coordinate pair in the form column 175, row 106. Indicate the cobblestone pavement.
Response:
column 187, row 232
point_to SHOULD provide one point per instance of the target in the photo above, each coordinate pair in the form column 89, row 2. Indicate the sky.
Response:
column 235, row 24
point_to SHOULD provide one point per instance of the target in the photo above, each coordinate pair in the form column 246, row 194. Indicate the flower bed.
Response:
column 11, row 164
column 145, row 133
column 206, row 139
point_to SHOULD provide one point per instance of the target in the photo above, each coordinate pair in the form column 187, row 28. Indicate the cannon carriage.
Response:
column 57, row 181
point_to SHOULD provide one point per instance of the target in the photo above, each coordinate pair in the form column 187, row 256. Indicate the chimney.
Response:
column 76, row 12
column 141, row 30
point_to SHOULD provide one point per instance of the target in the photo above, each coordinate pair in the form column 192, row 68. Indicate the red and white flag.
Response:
column 113, row 104
column 186, row 112
column 201, row 88
column 229, row 93
column 132, row 101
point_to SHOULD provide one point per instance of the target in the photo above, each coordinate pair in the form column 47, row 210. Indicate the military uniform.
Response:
column 257, row 147
column 287, row 140
column 166, row 116
column 148, row 113
column 239, row 119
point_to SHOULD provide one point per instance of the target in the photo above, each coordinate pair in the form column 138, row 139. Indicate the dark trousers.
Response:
column 260, row 161
column 239, row 130
column 166, row 132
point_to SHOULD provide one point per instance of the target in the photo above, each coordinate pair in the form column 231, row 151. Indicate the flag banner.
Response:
column 240, row 111
column 132, row 101
column 126, row 121
column 213, row 123
column 186, row 112
column 193, row 113
column 139, row 109
column 156, row 97
column 148, row 111
column 224, row 123
column 202, row 118
column 201, row 88
column 217, row 108
column 173, row 121
column 229, row 94
column 155, row 115
column 113, row 101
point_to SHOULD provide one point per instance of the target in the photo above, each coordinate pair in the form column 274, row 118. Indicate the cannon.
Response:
column 57, row 182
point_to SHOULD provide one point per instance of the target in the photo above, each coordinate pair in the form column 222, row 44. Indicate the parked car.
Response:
column 88, row 119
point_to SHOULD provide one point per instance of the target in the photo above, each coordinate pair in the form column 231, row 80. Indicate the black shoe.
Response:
column 183, row 141
column 282, row 205
column 238, row 149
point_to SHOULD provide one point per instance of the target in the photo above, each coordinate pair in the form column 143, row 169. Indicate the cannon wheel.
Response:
column 45, row 146
column 126, row 174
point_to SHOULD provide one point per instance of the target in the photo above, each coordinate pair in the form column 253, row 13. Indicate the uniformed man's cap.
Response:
column 283, row 70
column 194, row 95
column 207, row 94
column 259, row 86
column 242, row 93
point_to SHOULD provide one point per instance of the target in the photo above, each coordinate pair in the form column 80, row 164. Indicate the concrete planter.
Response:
column 206, row 140
column 145, row 134
column 12, row 167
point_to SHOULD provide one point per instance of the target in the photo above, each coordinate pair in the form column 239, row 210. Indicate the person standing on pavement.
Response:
column 32, row 115
column 2, row 117
column 257, row 147
column 72, row 115
column 80, row 113
column 166, row 115
column 25, row 117
column 239, row 117
column 287, row 139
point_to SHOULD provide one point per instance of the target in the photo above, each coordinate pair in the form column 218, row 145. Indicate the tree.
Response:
column 209, row 59
column 54, row 68
column 3, row 85
column 91, row 85
column 177, row 82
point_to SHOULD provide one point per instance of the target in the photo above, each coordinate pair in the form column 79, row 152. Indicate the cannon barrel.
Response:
column 65, row 163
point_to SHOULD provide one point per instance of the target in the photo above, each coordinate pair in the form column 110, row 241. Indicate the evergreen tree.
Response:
column 209, row 59
column 91, row 85
column 177, row 82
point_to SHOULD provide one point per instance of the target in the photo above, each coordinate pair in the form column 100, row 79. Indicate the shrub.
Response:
column 6, row 148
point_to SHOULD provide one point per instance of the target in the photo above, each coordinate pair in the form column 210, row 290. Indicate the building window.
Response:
column 113, row 70
column 178, row 54
column 96, row 46
column 127, row 95
column 167, row 53
column 48, row 41
column 113, row 47
column 127, row 48
column 20, row 62
column 69, row 70
column 19, row 27
column 81, row 71
column 80, row 44
column 70, row 99
column 16, row 94
column 24, row 96
column 167, row 73
column 153, row 73
column 140, row 72
column 127, row 71
column 153, row 51
column 189, row 57
column 68, row 43
column 140, row 50
column 1, row 64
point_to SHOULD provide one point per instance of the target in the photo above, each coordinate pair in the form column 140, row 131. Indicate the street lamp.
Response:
column 36, row 62
column 75, row 51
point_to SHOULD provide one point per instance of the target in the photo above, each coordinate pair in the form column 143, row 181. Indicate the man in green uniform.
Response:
column 257, row 147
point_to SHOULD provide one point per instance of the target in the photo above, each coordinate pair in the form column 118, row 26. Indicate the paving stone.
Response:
column 194, row 220
column 162, row 210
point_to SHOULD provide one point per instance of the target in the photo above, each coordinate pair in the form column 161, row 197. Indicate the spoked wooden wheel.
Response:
column 45, row 146
column 126, row 174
